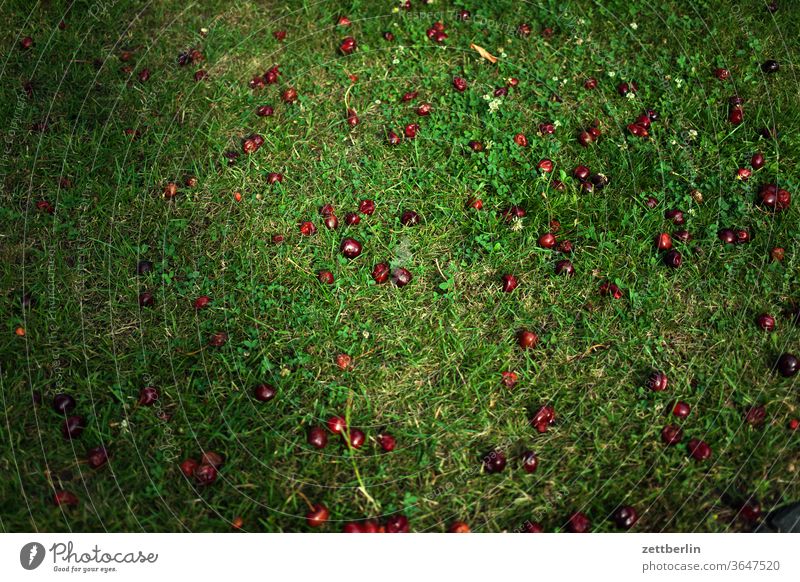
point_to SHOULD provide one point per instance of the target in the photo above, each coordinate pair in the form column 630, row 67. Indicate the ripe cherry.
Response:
column 96, row 457
column 673, row 259
column 671, row 434
column 350, row 248
column 188, row 466
column 625, row 517
column 148, row 396
column 325, row 277
column 658, row 381
column 380, row 273
column 317, row 437
column 578, row 523
column 765, row 322
column 336, row 424
column 459, row 84
column 681, row 409
column 565, row 267
column 63, row 403
column 529, row 461
column 547, row 241
column 409, row 218
column 318, row 515
column 698, row 449
column 264, row 392
column 509, row 283
column 73, row 427
column 366, row 207
column 544, row 417
column 494, row 461
column 527, row 339
column 205, row 474
column 787, row 365
column 62, row 498
column 401, row 277
column 387, row 442
column 202, row 302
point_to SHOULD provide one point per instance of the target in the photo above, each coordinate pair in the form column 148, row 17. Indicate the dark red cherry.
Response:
column 625, row 517
column 380, row 273
column 97, row 457
column 63, row 403
column 350, row 248
column 527, row 339
column 63, row 498
column 401, row 277
column 509, row 283
column 671, row 434
column 698, row 449
column 148, row 395
column 336, row 424
column 787, row 365
column 578, row 523
column 681, row 409
column 658, row 381
column 673, row 259
column 366, row 207
column 387, row 442
column 264, row 392
column 317, row 437
column 397, row 523
column 529, row 461
column 318, row 515
column 494, row 461
column 73, row 427
column 564, row 267
column 205, row 474
column 409, row 218
column 765, row 322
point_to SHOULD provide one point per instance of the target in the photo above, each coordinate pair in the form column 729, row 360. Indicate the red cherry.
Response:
column 317, row 437
column 336, row 424
column 63, row 498
column 188, row 466
column 380, row 273
column 509, row 283
column 387, row 442
column 317, row 516
column 527, row 339
column 202, row 302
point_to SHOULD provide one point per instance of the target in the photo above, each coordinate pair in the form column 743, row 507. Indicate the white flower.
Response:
column 631, row 95
column 395, row 61
column 693, row 133
column 634, row 26
column 612, row 74
column 494, row 105
column 487, row 97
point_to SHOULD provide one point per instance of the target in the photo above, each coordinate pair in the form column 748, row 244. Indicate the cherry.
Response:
column 410, row 130
column 673, row 259
column 699, row 449
column 73, row 427
column 727, row 236
column 794, row 424
column 475, row 146
column 65, row 498
column 351, row 219
column 202, row 302
column 777, row 254
column 380, row 273
column 590, row 84
column 148, row 396
column 757, row 161
column 279, row 35
column 96, row 457
column 509, row 379
column 736, row 116
column 671, row 434
column 722, row 74
column 201, row 75
column 675, row 215
column 770, row 66
column 625, row 88
column 352, row 118
column 529, row 461
column 547, row 128
column 344, row 361
column 521, row 140
column 585, row 138
column 545, row 165
column 143, row 267
column 264, row 392
column 307, row 228
column 348, row 45
column 424, row 109
column 509, row 283
column 543, row 418
column 532, row 527
column 289, row 95
column 751, row 511
column 625, row 517
column 388, row 36
column 218, row 339
column 409, row 218
column 146, row 299
column 681, row 409
column 317, row 516
column 512, row 212
column 265, row 111
column 578, row 523
column 742, row 236
column 352, row 527
column 607, row 288
column 387, row 442
column 524, row 29
column 355, row 437
column 743, row 174
column 501, row 91
column 317, row 437
column 787, row 365
column 547, row 240
column 765, row 322
column 26, row 42
column 410, row 96
column 527, row 339
column 205, row 474
column 475, row 203
column 651, row 202
column 350, row 248
column 336, row 424
column 188, row 466
column 658, row 381
column 325, row 277
column 63, row 403
column 494, row 461
column 581, row 173
column 755, row 415
column 663, row 242
column 401, row 277
column 459, row 84
column 274, row 178
column 331, row 222
column 366, row 207
column 564, row 267
column 144, row 75
column 458, row 527
column 397, row 524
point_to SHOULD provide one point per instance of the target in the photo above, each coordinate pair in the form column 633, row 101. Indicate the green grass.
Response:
column 428, row 357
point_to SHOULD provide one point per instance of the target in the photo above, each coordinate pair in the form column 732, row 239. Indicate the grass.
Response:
column 428, row 357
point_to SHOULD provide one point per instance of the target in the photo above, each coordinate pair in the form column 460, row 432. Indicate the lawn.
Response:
column 102, row 261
